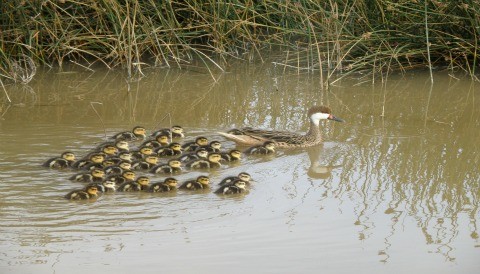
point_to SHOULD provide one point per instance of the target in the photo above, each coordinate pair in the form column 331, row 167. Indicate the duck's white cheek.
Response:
column 316, row 117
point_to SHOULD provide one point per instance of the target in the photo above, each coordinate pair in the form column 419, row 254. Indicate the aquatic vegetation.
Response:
column 325, row 36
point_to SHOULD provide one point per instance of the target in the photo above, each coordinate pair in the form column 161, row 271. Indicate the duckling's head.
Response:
column 171, row 182
column 140, row 131
column 110, row 184
column 143, row 180
column 151, row 159
column 163, row 139
column 204, row 180
column 216, row 145
column 146, row 150
column 97, row 158
column 202, row 153
column 97, row 173
column 317, row 113
column 110, row 149
column 244, row 177
column 239, row 183
column 124, row 165
column 123, row 145
column 69, row 156
column 92, row 189
column 177, row 130
column 201, row 141
column 108, row 162
column 125, row 155
column 175, row 163
column 269, row 145
column 214, row 157
column 175, row 146
column 235, row 153
column 129, row 175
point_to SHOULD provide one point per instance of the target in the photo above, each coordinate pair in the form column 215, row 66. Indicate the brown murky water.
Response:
column 395, row 189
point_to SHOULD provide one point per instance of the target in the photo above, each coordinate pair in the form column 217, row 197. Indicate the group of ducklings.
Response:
column 112, row 165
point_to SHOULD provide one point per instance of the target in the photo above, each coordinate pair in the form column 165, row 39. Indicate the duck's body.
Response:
column 172, row 149
column 94, row 175
column 91, row 158
column 169, row 184
column 64, row 161
column 266, row 148
column 212, row 161
column 192, row 146
column 142, row 152
column 201, row 182
column 284, row 139
column 235, row 187
column 173, row 132
column 173, row 166
column 88, row 192
column 149, row 162
column 200, row 153
column 142, row 183
column 232, row 155
column 243, row 176
column 138, row 132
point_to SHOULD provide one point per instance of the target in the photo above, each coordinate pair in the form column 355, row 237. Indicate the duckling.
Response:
column 201, row 182
column 89, row 192
column 142, row 183
column 168, row 184
column 65, row 160
column 121, row 145
column 174, row 132
column 235, row 187
column 213, row 146
column 108, row 148
column 213, row 160
column 200, row 153
column 126, row 176
column 142, row 152
column 123, row 156
column 94, row 175
column 172, row 150
column 243, row 176
column 231, row 156
column 94, row 157
column 161, row 140
column 173, row 166
column 149, row 162
column 117, row 169
column 109, row 185
column 268, row 147
column 192, row 146
column 137, row 132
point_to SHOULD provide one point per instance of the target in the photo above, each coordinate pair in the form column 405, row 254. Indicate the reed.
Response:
column 332, row 37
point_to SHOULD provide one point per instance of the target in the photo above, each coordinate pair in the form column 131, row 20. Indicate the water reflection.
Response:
column 404, row 168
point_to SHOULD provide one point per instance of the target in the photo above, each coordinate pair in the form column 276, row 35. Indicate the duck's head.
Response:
column 97, row 158
column 124, row 165
column 216, row 145
column 125, row 155
column 98, row 173
column 69, row 156
column 204, row 180
column 269, row 145
column 163, row 139
column 175, row 163
column 244, row 177
column 110, row 149
column 140, row 131
column 318, row 113
column 235, row 153
column 201, row 141
column 143, row 180
column 175, row 146
column 151, row 159
column 171, row 182
column 177, row 130
column 202, row 153
column 129, row 175
column 123, row 145
column 239, row 183
column 214, row 157
column 110, row 184
column 92, row 189
column 146, row 150
column 108, row 162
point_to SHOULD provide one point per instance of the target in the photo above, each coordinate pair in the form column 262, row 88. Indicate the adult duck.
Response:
column 284, row 139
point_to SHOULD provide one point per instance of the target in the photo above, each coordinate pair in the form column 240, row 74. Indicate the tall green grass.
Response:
column 328, row 36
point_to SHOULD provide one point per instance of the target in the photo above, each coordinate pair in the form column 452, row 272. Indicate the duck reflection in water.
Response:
column 318, row 169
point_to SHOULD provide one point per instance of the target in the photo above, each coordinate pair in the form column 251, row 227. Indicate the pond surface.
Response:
column 394, row 189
